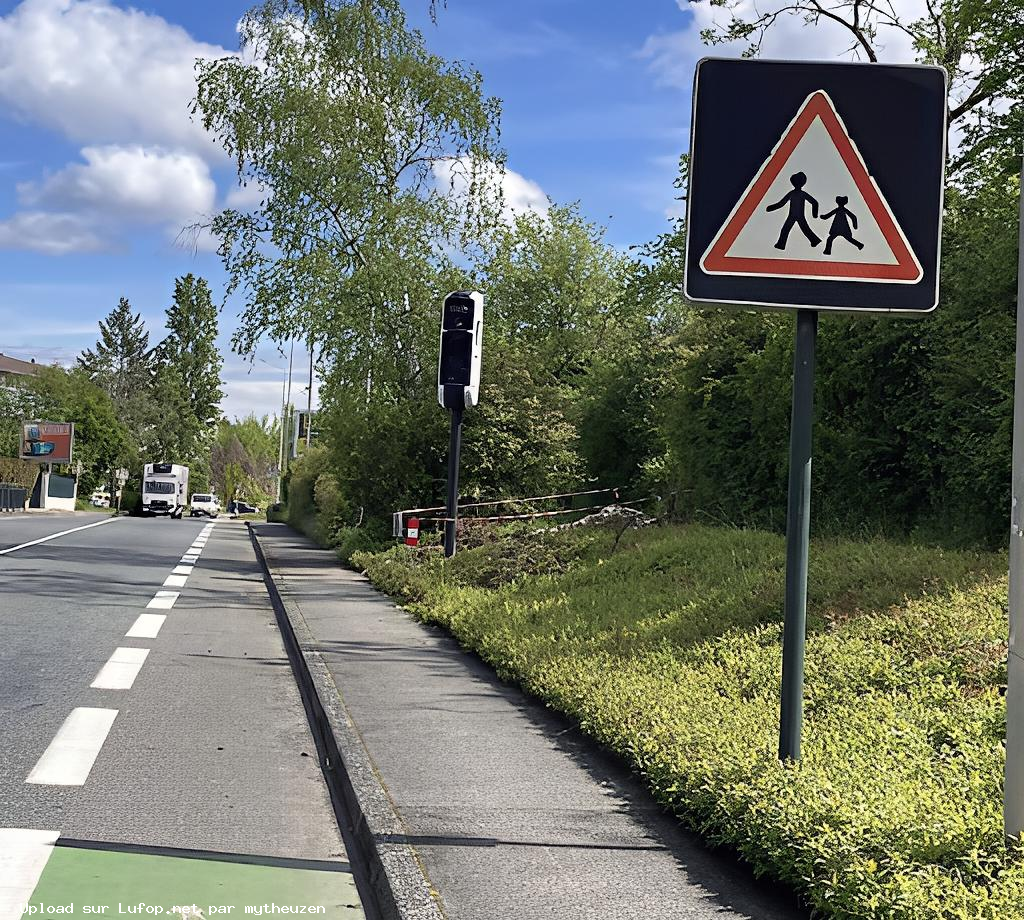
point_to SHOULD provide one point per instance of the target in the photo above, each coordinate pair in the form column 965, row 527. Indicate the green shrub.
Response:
column 17, row 472
column 349, row 541
column 666, row 648
column 301, row 504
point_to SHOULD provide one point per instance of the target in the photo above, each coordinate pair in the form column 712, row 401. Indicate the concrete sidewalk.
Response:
column 474, row 802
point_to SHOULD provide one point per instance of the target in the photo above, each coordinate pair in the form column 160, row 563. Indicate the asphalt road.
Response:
column 22, row 527
column 153, row 746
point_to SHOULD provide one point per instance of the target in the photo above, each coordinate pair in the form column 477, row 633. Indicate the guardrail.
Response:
column 12, row 497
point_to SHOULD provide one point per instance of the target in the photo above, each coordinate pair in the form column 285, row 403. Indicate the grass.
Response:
column 665, row 645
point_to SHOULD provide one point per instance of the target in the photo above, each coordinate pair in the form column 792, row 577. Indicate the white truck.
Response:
column 164, row 489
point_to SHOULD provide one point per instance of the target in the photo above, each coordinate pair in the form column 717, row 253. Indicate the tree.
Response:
column 122, row 363
column 177, row 435
column 979, row 42
column 102, row 441
column 244, row 458
column 341, row 118
column 191, row 347
column 553, row 292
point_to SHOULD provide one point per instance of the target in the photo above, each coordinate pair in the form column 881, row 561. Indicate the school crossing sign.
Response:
column 816, row 185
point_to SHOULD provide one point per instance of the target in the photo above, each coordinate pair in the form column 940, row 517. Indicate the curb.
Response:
column 398, row 885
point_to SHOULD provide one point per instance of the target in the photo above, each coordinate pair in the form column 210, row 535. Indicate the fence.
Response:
column 437, row 515
column 12, row 497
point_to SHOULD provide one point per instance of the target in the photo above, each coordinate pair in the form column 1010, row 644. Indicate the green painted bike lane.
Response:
column 110, row 882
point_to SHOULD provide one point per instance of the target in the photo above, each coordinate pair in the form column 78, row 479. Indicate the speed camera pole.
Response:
column 458, row 384
column 452, row 511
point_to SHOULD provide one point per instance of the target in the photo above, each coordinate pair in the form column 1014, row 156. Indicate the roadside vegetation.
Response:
column 664, row 644
column 131, row 402
column 596, row 371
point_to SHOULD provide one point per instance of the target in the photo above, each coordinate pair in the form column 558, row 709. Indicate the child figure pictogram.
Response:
column 842, row 217
column 797, row 200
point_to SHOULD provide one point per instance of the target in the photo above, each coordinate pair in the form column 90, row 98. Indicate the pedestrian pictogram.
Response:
column 814, row 164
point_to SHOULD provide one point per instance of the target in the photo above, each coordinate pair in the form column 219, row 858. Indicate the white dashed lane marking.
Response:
column 175, row 581
column 120, row 671
column 74, row 749
column 147, row 626
column 163, row 600
column 183, row 570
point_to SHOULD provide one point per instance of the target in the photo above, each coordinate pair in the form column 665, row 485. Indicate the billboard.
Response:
column 47, row 442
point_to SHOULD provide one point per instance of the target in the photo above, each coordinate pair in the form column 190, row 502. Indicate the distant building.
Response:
column 15, row 367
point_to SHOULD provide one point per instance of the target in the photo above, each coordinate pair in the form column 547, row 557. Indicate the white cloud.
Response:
column 131, row 184
column 673, row 55
column 87, row 206
column 121, row 82
column 243, row 396
column 50, row 233
column 519, row 194
column 100, row 73
column 257, row 387
column 245, row 197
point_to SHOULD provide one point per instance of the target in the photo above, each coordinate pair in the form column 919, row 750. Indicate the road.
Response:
column 153, row 746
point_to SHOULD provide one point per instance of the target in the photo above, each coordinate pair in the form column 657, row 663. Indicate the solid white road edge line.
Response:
column 175, row 581
column 163, row 600
column 121, row 669
column 147, row 626
column 53, row 536
column 23, row 856
column 74, row 749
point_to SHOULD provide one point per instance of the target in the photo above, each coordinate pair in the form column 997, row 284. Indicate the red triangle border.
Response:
column 818, row 105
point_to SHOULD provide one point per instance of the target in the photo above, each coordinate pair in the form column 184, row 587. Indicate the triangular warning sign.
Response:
column 813, row 211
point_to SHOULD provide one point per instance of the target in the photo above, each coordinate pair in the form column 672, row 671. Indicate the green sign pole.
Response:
column 1013, row 788
column 797, row 534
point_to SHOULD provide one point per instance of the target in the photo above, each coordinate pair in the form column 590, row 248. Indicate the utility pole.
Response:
column 286, row 413
column 309, row 399
column 280, row 440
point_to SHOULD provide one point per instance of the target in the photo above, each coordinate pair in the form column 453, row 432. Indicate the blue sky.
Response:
column 101, row 166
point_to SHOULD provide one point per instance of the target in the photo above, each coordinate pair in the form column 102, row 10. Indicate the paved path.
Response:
column 511, row 814
column 153, row 746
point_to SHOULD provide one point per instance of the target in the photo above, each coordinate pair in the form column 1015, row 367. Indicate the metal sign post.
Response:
column 815, row 186
column 798, row 522
column 1013, row 790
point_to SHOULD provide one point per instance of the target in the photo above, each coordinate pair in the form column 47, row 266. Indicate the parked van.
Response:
column 204, row 503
